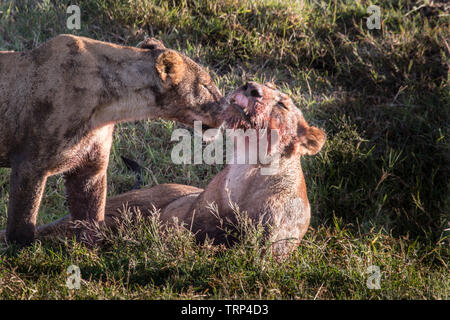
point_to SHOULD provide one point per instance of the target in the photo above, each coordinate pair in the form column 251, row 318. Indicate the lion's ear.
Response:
column 151, row 43
column 311, row 140
column 171, row 67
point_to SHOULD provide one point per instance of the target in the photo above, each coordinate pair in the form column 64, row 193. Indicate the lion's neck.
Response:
column 272, row 177
column 244, row 185
column 128, row 89
column 129, row 106
column 261, row 196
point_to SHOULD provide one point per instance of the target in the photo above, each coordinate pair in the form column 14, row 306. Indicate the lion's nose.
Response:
column 253, row 89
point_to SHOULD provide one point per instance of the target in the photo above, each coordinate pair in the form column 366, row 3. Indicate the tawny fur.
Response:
column 278, row 201
column 59, row 103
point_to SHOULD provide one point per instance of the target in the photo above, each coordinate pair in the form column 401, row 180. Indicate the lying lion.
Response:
column 59, row 103
column 278, row 201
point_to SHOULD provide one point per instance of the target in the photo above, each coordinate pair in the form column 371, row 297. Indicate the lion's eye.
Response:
column 282, row 105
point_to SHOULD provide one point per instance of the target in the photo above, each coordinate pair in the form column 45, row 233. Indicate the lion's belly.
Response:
column 179, row 209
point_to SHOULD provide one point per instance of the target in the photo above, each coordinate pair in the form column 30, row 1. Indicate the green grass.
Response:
column 379, row 189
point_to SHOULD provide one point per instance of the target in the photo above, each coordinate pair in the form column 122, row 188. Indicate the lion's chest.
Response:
column 72, row 155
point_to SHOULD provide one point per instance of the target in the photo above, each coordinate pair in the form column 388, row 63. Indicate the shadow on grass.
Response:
column 384, row 166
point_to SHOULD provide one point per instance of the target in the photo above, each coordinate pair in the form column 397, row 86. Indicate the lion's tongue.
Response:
column 241, row 100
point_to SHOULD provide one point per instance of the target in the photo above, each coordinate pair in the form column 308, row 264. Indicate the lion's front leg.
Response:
column 26, row 189
column 86, row 193
column 86, row 197
column 86, row 184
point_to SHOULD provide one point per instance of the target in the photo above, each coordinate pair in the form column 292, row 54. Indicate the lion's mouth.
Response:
column 242, row 111
column 241, row 103
column 246, row 112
